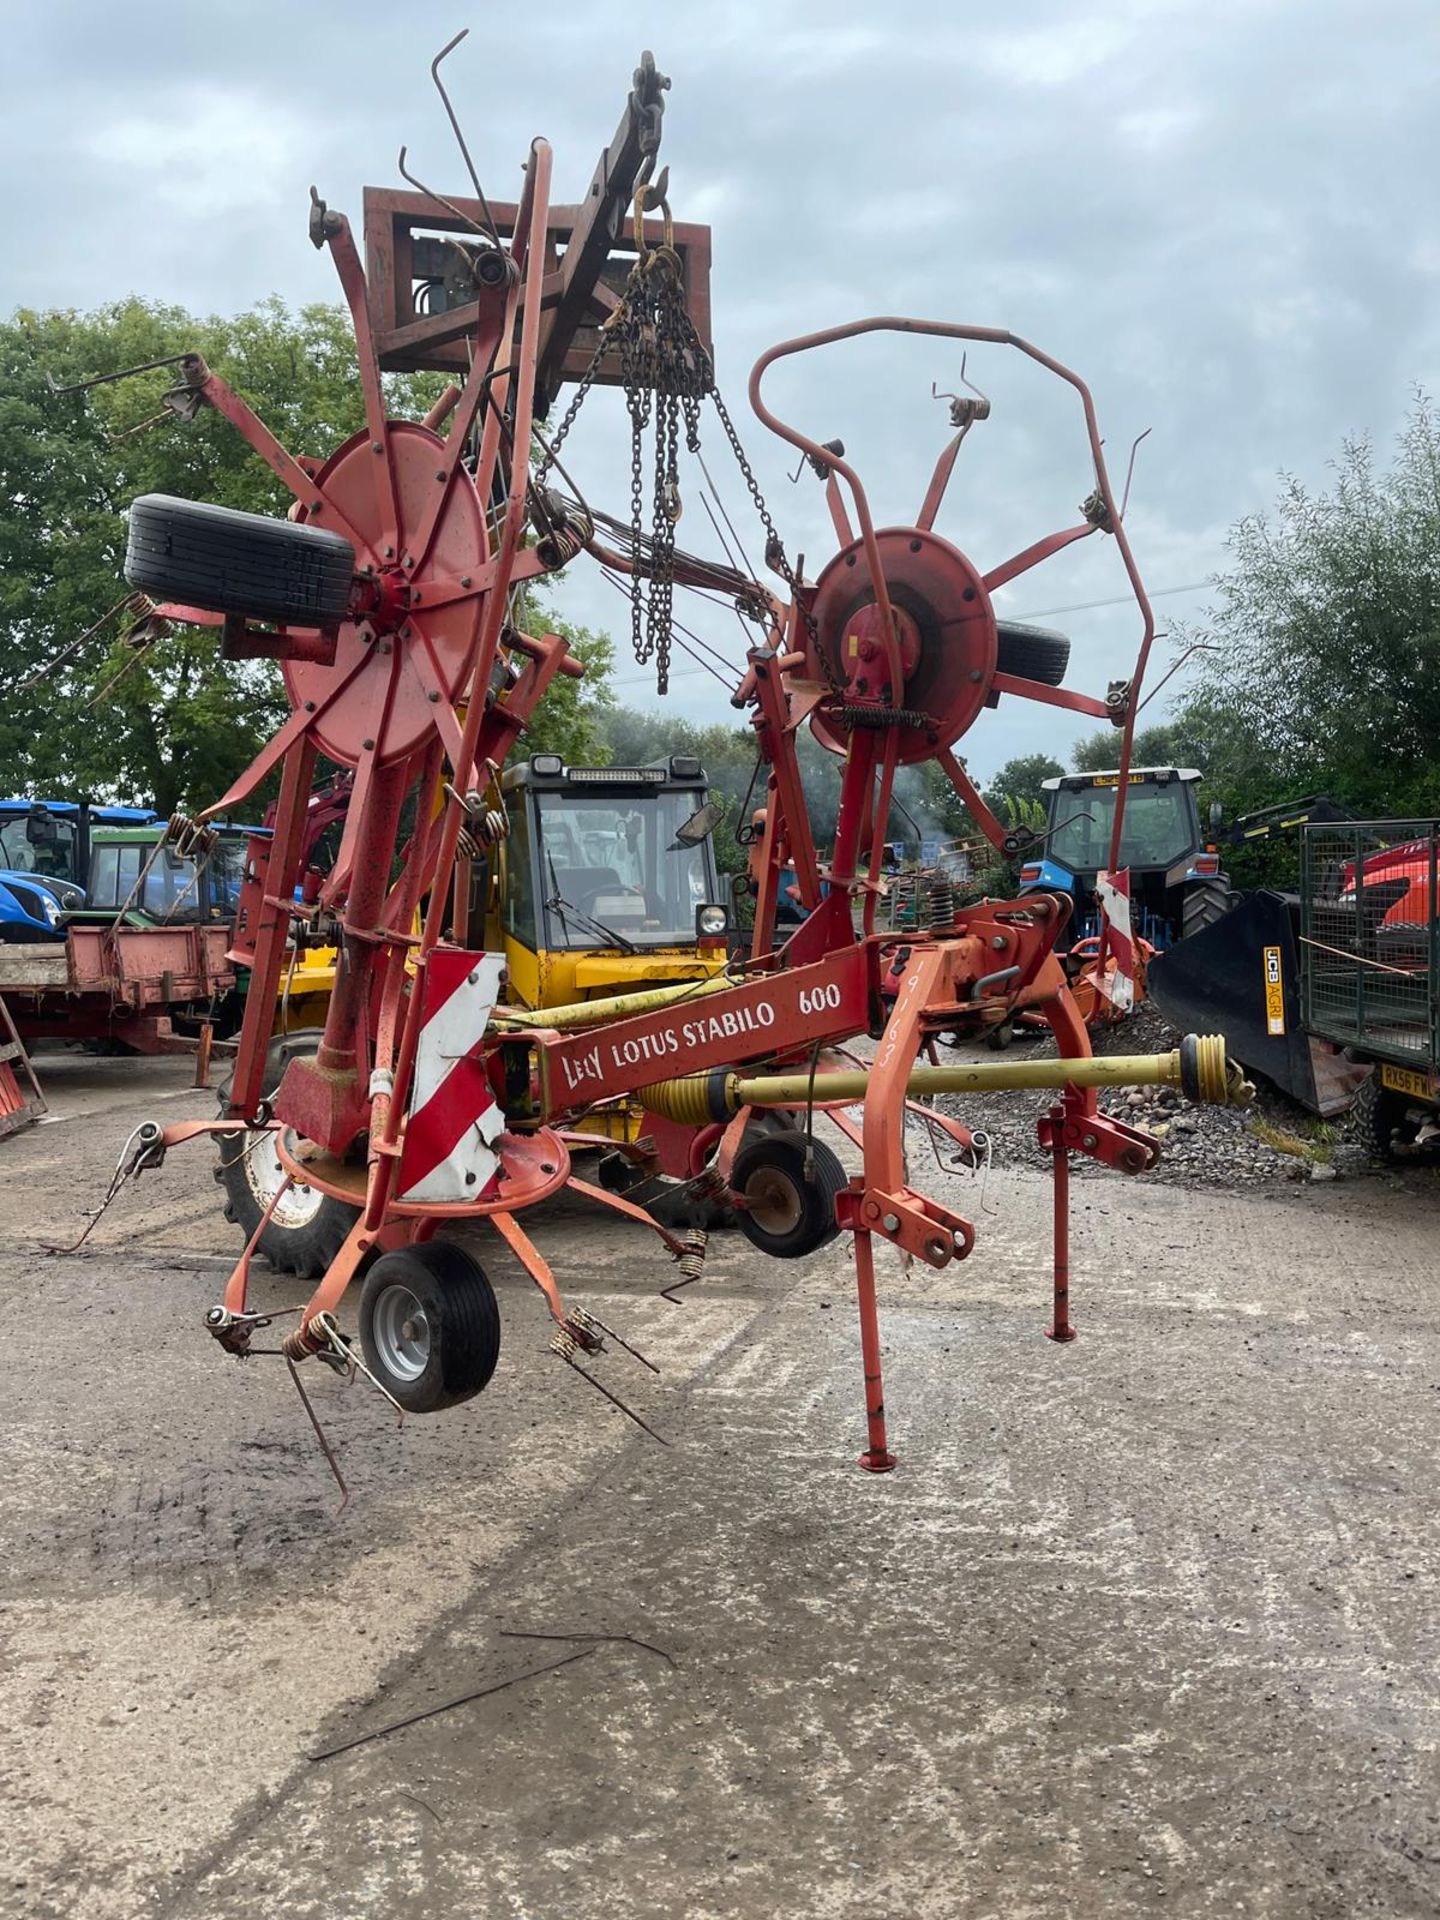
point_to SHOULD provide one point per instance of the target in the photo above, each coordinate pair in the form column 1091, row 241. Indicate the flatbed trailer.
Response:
column 150, row 988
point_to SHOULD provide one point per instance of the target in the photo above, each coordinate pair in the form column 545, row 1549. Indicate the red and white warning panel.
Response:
column 1114, row 892
column 454, row 1119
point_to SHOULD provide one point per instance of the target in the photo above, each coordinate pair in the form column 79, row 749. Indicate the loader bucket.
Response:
column 1240, row 976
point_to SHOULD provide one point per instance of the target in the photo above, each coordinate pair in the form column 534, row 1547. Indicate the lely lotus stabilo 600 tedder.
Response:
column 390, row 599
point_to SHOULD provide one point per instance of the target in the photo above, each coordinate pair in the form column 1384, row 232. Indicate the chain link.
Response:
column 667, row 374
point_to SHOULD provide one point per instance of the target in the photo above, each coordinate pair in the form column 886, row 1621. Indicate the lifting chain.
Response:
column 667, row 373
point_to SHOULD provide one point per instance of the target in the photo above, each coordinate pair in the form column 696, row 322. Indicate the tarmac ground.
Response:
column 1145, row 1624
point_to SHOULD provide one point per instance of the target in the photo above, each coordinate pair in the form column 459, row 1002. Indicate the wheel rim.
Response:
column 775, row 1204
column 401, row 1332
column 264, row 1176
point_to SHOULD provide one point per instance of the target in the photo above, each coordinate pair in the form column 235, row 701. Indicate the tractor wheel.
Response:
column 308, row 1228
column 1031, row 653
column 787, row 1213
column 1378, row 1118
column 232, row 562
column 1204, row 904
column 429, row 1325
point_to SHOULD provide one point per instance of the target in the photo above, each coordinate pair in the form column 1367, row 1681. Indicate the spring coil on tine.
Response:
column 187, row 835
column 692, row 1262
column 304, row 1342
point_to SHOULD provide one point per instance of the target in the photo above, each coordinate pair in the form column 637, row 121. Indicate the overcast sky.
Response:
column 1223, row 214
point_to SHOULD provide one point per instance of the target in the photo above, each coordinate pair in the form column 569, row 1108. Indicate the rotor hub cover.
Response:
column 410, row 635
column 944, row 629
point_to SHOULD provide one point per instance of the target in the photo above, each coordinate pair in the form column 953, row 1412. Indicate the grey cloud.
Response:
column 1218, row 211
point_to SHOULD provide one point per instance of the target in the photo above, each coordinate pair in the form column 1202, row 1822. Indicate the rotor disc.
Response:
column 386, row 702
column 945, row 631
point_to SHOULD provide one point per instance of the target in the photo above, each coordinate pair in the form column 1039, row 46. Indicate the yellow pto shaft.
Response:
column 1198, row 1067
column 615, row 1006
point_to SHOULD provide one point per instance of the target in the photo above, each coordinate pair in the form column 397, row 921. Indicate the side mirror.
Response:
column 1217, row 816
column 701, row 824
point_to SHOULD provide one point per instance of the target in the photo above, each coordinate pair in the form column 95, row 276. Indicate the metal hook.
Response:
column 459, row 136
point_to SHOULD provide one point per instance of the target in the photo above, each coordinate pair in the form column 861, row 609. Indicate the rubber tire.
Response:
column 1206, row 903
column 464, row 1318
column 307, row 1250
column 667, row 1199
column 1031, row 653
column 1376, row 1115
column 243, row 563
column 816, row 1227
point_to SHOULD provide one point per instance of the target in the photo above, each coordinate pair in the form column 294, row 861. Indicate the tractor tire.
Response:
column 788, row 1214
column 1377, row 1116
column 1031, row 653
column 242, row 563
column 429, row 1325
column 1205, row 904
column 308, row 1228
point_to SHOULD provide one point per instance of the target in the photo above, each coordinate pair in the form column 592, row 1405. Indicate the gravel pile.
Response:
column 1200, row 1145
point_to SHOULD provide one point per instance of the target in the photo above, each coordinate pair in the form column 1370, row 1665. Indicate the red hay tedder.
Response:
column 388, row 599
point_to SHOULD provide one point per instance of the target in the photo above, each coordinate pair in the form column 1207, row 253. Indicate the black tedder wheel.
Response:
column 307, row 1228
column 1031, row 653
column 669, row 1200
column 787, row 1215
column 429, row 1325
column 231, row 562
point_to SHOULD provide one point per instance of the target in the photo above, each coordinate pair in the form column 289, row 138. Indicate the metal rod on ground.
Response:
column 446, row 1706
column 1060, row 1327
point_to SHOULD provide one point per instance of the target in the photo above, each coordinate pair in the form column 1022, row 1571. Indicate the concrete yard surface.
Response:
column 1141, row 1625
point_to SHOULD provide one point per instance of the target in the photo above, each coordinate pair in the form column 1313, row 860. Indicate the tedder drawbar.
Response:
column 392, row 598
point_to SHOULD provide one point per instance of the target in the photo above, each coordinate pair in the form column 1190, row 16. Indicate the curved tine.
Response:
column 1130, row 470
column 459, row 136
column 438, row 198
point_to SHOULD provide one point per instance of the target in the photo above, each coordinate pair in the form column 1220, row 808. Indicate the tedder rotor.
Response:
column 390, row 599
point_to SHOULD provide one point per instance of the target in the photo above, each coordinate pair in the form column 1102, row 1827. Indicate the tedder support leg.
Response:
column 1060, row 1327
column 877, row 1457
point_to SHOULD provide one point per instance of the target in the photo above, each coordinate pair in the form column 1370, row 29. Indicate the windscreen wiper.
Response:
column 558, row 903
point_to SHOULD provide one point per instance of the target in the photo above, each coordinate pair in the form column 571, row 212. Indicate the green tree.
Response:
column 1326, row 674
column 1161, row 746
column 178, row 723
column 1022, row 781
column 573, row 717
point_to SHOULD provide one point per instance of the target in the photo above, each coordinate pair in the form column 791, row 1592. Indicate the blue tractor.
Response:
column 44, row 862
column 1176, row 884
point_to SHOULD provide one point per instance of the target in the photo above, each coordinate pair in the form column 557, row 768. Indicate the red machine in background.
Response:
column 390, row 599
